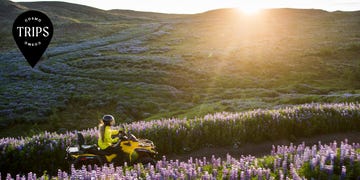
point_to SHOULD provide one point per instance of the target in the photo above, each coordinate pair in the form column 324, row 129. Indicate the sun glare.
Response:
column 250, row 10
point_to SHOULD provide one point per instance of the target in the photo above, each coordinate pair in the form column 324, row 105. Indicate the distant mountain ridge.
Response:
column 65, row 11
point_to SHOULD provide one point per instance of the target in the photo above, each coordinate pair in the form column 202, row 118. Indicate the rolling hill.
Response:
column 73, row 22
column 9, row 10
column 145, row 66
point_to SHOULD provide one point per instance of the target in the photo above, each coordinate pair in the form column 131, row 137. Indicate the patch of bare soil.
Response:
column 264, row 148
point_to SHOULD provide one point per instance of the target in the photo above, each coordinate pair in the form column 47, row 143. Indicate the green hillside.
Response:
column 145, row 66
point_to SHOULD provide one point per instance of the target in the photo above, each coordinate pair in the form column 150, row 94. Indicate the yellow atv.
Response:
column 132, row 151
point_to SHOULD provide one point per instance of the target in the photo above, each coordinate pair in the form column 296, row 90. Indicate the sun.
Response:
column 250, row 9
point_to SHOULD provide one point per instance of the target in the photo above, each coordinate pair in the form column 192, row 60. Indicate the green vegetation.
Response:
column 184, row 135
column 145, row 66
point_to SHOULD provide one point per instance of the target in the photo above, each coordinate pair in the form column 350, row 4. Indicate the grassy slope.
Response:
column 283, row 56
column 72, row 23
column 137, row 68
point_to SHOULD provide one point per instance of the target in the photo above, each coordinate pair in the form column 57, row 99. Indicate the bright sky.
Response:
column 196, row 6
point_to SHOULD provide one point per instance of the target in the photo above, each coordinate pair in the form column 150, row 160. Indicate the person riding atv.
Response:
column 123, row 148
column 105, row 141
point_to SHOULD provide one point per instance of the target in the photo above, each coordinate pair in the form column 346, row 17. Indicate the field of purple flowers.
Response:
column 285, row 162
column 46, row 151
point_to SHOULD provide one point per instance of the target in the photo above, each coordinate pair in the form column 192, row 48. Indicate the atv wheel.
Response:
column 78, row 163
column 147, row 160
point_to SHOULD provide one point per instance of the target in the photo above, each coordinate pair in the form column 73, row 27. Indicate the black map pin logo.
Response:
column 32, row 32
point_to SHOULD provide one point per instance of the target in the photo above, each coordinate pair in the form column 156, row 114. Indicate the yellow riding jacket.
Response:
column 108, row 140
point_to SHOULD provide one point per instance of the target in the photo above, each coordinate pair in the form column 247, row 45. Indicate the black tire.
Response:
column 146, row 160
column 78, row 163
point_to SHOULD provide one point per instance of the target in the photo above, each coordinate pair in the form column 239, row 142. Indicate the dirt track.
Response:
column 264, row 148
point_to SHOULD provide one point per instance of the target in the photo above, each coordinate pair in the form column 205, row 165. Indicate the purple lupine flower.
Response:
column 343, row 173
column 281, row 175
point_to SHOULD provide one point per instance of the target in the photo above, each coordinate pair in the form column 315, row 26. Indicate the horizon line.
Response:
column 199, row 11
